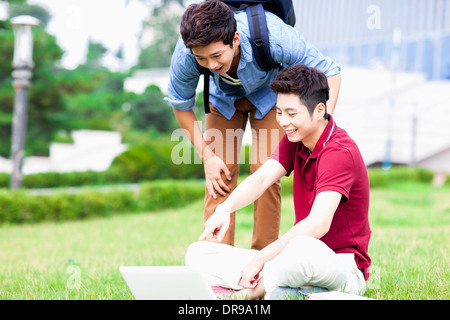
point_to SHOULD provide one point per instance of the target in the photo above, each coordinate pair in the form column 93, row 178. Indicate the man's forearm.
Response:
column 249, row 190
column 254, row 185
column 188, row 122
column 334, row 82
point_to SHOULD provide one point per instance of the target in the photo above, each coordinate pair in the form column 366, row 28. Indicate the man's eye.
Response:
column 291, row 114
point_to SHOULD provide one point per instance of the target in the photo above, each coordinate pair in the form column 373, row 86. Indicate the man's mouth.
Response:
column 291, row 132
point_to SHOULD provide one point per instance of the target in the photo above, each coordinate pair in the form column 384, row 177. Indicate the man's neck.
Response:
column 311, row 143
column 235, row 62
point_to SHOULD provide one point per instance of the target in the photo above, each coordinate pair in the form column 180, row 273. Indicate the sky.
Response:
column 111, row 22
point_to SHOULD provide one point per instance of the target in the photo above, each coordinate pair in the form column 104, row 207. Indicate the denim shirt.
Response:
column 287, row 47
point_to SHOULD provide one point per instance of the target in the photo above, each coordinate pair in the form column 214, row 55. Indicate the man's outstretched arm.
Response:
column 245, row 193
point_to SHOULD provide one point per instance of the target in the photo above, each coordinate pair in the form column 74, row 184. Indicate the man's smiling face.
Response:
column 218, row 56
column 296, row 121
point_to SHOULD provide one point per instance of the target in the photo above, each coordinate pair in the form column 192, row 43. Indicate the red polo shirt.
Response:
column 335, row 164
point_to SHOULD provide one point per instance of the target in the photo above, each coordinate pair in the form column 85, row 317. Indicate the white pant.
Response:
column 304, row 261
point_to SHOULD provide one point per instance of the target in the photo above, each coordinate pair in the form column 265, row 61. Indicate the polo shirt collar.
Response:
column 330, row 129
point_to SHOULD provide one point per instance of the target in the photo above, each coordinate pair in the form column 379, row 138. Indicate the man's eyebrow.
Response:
column 287, row 108
column 212, row 54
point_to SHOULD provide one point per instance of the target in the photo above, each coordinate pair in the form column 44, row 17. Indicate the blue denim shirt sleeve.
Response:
column 184, row 77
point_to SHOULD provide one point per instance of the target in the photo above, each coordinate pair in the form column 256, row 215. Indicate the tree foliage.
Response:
column 87, row 97
column 149, row 110
column 95, row 52
column 92, row 99
column 163, row 24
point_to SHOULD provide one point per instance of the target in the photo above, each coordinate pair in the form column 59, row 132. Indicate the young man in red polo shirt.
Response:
column 327, row 247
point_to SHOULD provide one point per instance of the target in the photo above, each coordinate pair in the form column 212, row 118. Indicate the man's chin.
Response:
column 293, row 138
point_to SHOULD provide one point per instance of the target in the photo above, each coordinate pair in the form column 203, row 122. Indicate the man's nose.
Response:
column 283, row 120
column 212, row 64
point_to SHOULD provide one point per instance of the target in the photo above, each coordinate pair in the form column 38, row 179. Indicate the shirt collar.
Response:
column 245, row 47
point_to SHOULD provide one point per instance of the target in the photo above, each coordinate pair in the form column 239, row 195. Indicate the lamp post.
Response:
column 22, row 64
column 395, row 58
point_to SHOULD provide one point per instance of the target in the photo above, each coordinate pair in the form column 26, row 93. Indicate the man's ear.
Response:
column 321, row 111
column 236, row 39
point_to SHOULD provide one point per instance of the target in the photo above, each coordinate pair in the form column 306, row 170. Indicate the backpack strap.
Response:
column 206, row 90
column 260, row 37
column 206, row 73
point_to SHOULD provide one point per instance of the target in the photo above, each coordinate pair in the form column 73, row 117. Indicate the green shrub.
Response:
column 164, row 194
column 63, row 207
column 404, row 173
column 58, row 180
column 287, row 187
column 193, row 169
column 380, row 178
column 43, row 180
column 4, row 180
column 244, row 166
column 153, row 162
column 10, row 206
column 141, row 163
column 19, row 207
column 38, row 208
column 113, row 175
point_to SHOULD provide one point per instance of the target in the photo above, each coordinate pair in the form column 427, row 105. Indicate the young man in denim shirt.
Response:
column 217, row 38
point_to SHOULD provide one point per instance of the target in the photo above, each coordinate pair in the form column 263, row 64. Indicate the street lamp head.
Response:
column 25, row 20
column 23, row 46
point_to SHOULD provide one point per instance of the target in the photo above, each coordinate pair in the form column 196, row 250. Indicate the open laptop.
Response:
column 167, row 283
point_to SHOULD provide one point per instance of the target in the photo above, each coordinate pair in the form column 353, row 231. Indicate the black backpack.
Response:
column 259, row 34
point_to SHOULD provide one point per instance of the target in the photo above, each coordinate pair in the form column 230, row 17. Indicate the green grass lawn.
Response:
column 79, row 260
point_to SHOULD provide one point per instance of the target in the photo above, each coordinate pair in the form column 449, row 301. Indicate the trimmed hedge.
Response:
column 68, row 179
column 379, row 178
column 22, row 207
column 169, row 194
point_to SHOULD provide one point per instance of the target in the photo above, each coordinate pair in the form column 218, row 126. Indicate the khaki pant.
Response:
column 224, row 137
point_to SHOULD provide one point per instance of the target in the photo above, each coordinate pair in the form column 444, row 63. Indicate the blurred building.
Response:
column 395, row 58
column 143, row 78
column 361, row 32
column 399, row 118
